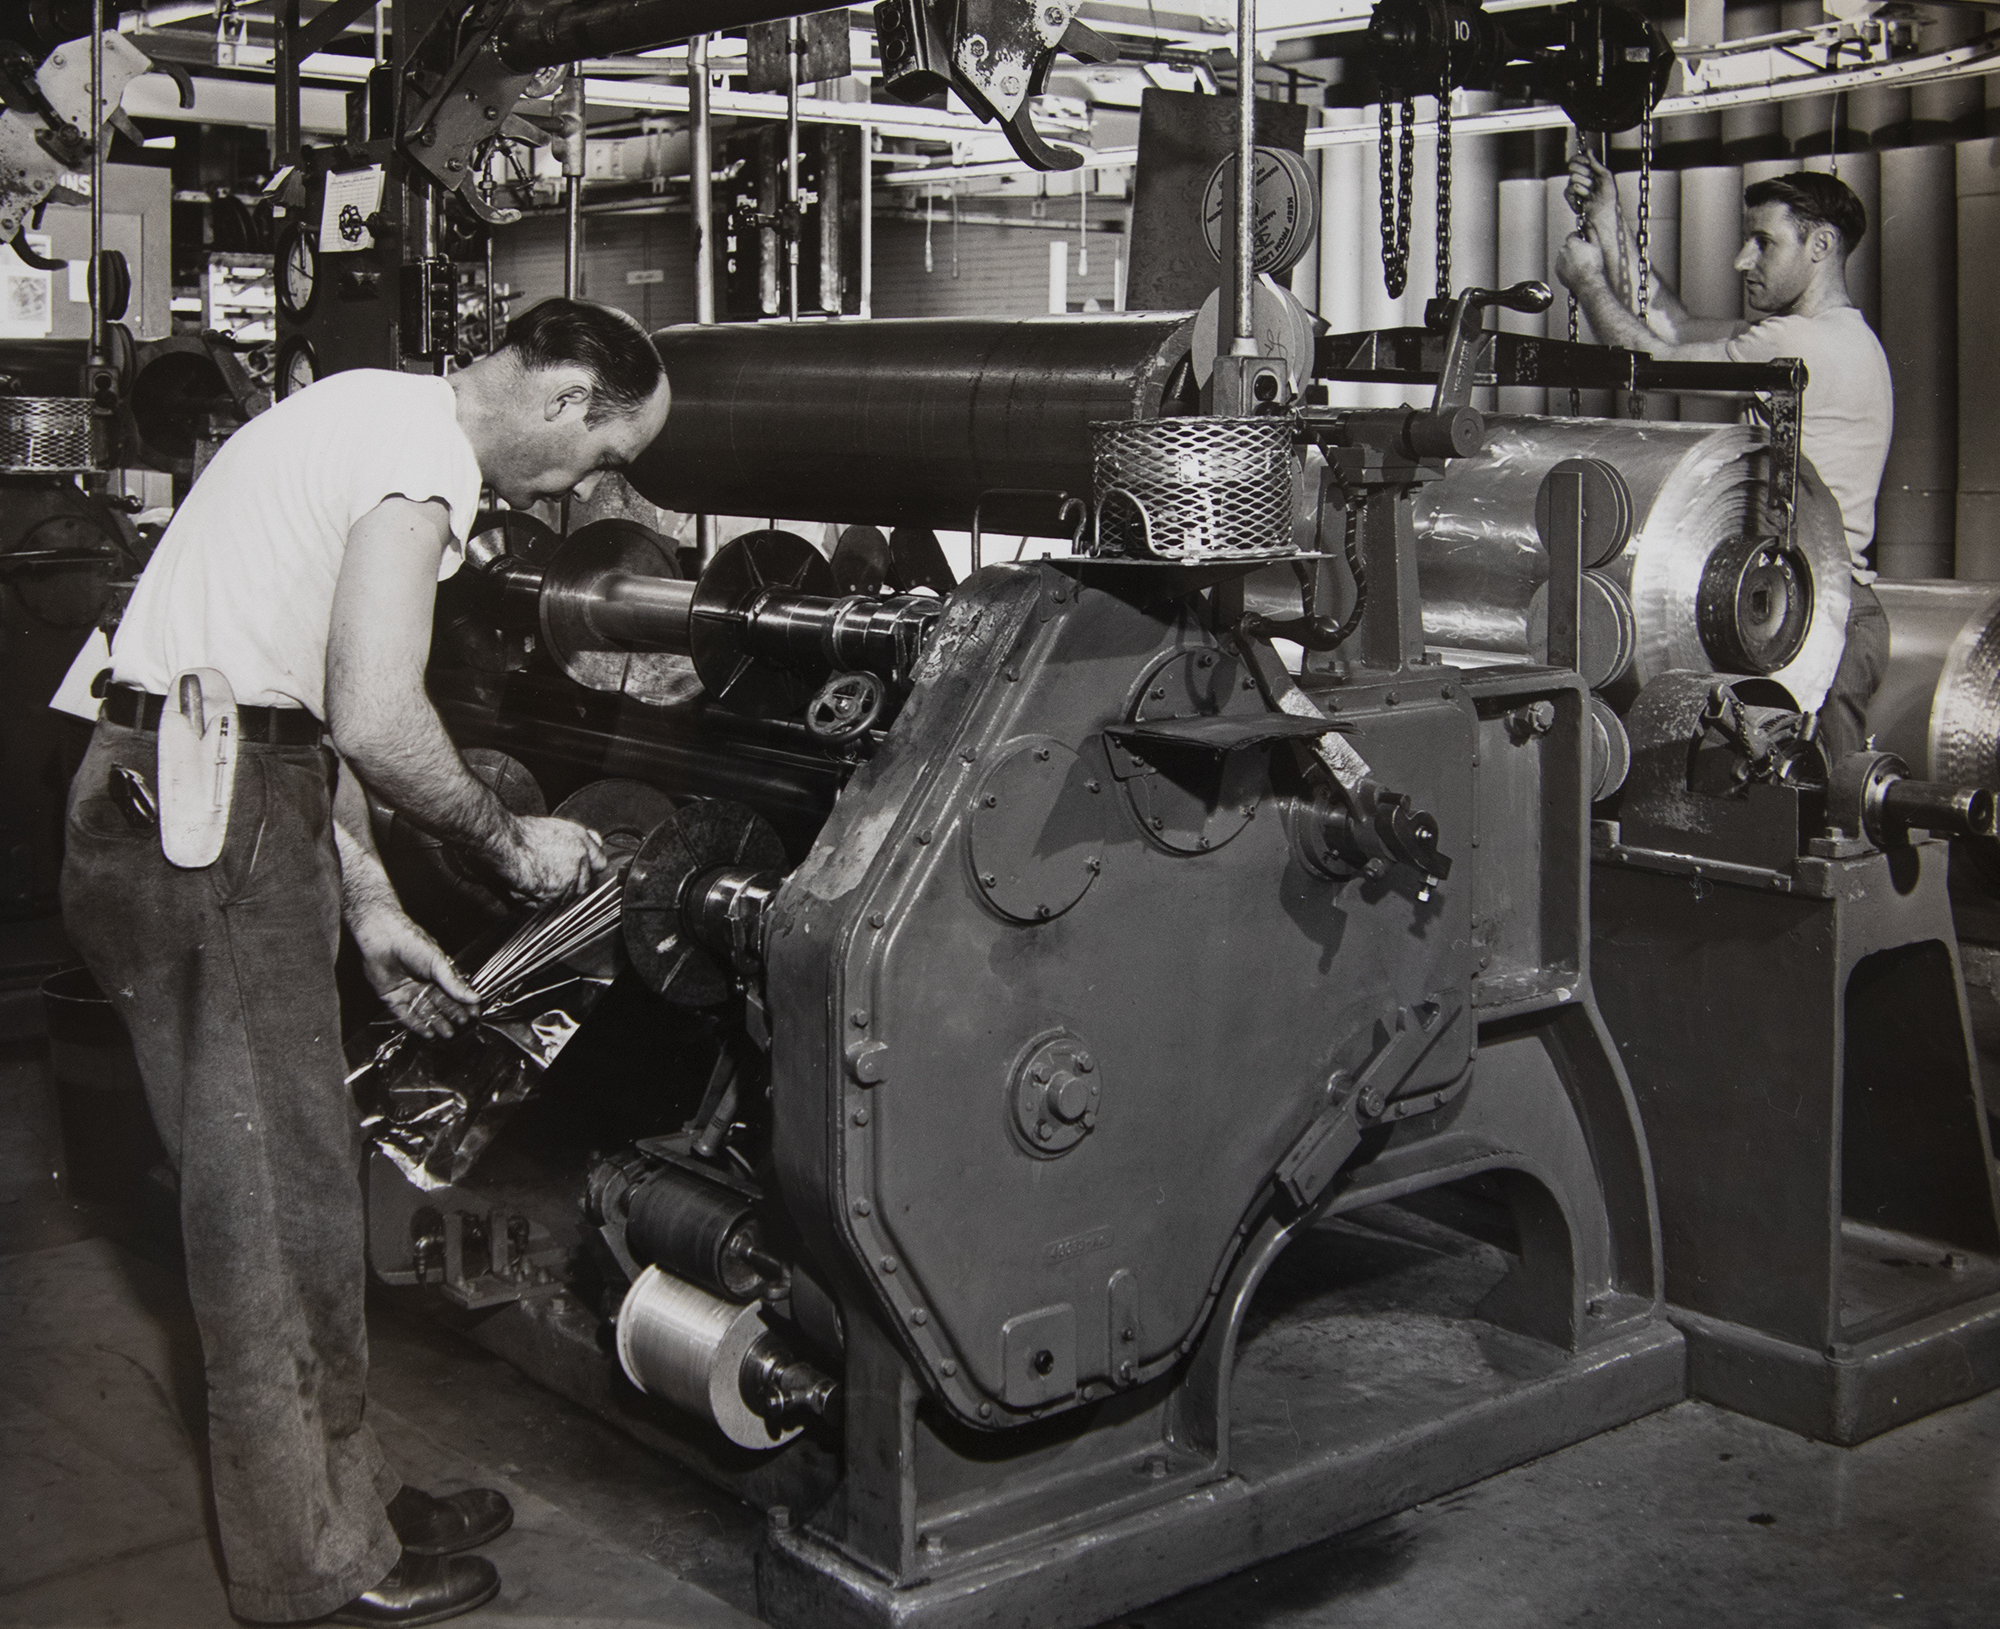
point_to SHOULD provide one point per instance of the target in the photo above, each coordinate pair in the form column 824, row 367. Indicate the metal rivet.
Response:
column 948, row 1368
column 1093, row 865
column 986, row 1411
column 1445, row 692
column 862, row 1207
column 876, row 919
column 1159, row 695
column 1203, row 843
column 1041, row 755
column 861, row 1117
column 1390, row 699
column 968, row 755
column 987, row 879
column 1041, row 1074
column 1044, row 1130
column 1092, row 786
column 1159, row 824
column 859, row 1017
column 919, row 1317
column 990, row 800
column 888, row 1264
column 924, row 836
column 1085, row 1063
column 1043, row 913
column 1013, row 675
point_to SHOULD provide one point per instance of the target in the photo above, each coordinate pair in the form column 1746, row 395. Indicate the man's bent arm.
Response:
column 384, row 726
column 382, row 722
column 1615, row 325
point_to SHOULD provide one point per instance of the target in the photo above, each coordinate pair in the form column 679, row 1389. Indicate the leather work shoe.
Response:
column 423, row 1589
column 428, row 1525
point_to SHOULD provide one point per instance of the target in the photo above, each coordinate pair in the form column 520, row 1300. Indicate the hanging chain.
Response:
column 1575, row 326
column 1396, row 206
column 1642, row 290
column 1444, row 177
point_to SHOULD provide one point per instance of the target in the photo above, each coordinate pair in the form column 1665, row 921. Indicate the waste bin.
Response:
column 109, row 1145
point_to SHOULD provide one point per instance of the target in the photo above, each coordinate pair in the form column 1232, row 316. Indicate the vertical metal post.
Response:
column 867, row 185
column 381, row 56
column 1243, row 265
column 493, row 324
column 573, row 120
column 97, row 346
column 793, row 39
column 701, row 179
column 286, row 27
column 701, row 217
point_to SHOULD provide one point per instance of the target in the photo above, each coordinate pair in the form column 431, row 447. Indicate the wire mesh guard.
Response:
column 48, row 435
column 1194, row 488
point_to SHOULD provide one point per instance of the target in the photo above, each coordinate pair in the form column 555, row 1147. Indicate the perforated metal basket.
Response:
column 1193, row 488
column 49, row 435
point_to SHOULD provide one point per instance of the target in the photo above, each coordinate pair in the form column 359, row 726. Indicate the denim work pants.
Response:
column 1843, row 716
column 224, row 977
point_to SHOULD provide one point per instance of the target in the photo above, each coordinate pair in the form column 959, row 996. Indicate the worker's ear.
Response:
column 571, row 395
column 1825, row 242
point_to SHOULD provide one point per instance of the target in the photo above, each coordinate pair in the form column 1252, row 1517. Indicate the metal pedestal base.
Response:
column 1799, row 1048
column 1306, row 1468
column 1854, row 1390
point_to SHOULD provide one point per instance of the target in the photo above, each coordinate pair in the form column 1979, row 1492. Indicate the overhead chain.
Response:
column 1444, row 177
column 1575, row 325
column 1396, row 207
column 1642, row 292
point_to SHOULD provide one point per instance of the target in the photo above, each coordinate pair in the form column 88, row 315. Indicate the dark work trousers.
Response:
column 1843, row 716
column 224, row 977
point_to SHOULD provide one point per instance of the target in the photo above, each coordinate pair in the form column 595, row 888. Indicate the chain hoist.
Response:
column 1396, row 207
column 1444, row 177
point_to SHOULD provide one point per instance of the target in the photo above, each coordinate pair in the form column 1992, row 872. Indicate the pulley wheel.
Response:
column 621, row 812
column 1607, row 508
column 741, row 570
column 1754, row 606
column 861, row 563
column 512, row 532
column 694, row 840
column 569, row 580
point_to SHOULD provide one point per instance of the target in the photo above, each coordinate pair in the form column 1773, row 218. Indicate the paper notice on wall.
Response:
column 27, row 308
column 351, row 197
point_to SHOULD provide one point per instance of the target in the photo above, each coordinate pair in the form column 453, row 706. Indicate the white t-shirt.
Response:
column 1849, row 410
column 243, row 580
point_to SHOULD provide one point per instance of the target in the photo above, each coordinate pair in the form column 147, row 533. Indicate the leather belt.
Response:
column 138, row 709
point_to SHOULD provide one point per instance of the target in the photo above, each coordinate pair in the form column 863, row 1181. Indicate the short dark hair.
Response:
column 1815, row 199
column 611, row 347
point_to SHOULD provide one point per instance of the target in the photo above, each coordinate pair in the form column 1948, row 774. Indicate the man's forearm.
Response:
column 364, row 884
column 1612, row 322
column 397, row 744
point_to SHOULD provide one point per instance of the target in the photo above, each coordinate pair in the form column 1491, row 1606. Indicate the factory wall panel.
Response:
column 1003, row 271
column 1917, row 233
column 528, row 259
column 1978, row 553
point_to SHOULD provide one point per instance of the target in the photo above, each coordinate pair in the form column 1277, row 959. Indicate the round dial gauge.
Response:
column 296, row 369
column 298, row 270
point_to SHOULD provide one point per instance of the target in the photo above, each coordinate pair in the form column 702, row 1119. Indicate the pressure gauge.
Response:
column 298, row 270
column 296, row 368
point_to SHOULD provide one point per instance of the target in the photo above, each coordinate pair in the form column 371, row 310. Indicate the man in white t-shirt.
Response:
column 1798, row 231
column 302, row 567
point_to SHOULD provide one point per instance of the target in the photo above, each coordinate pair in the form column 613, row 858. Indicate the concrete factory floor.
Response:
column 1691, row 1517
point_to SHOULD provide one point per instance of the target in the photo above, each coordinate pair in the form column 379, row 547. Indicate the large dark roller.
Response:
column 903, row 422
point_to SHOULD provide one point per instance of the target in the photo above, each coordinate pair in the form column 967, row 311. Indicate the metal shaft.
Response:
column 793, row 41
column 97, row 346
column 1243, row 262
column 574, row 162
column 701, row 206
